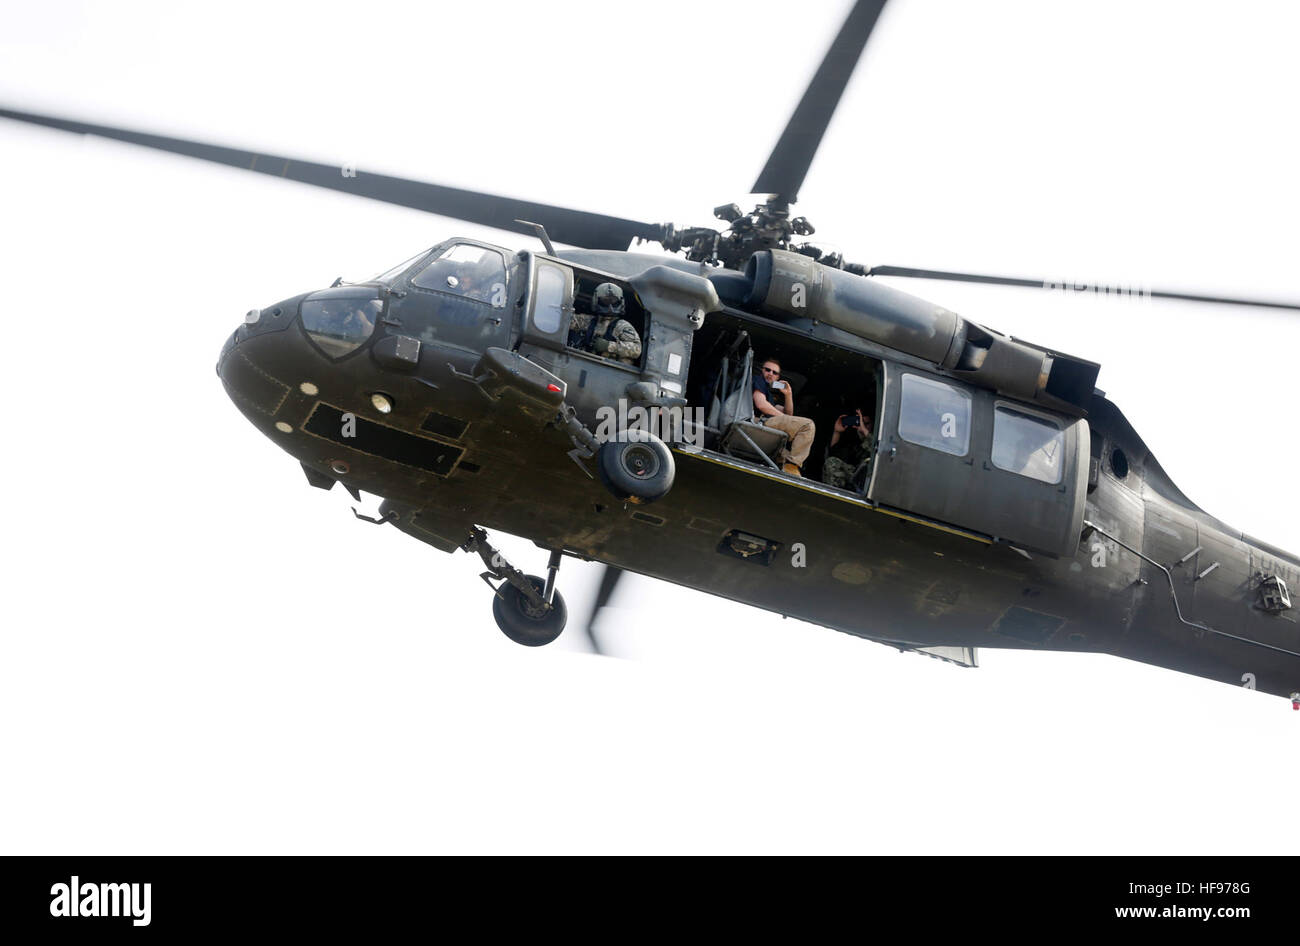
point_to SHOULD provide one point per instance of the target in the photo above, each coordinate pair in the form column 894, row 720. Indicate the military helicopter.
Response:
column 469, row 408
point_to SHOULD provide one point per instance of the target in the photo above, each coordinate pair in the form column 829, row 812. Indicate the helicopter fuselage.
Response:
column 1081, row 544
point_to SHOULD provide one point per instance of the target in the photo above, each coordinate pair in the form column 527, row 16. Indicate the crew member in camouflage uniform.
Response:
column 606, row 332
column 849, row 451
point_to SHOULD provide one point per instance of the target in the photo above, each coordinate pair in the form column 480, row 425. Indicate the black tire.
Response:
column 637, row 467
column 524, row 624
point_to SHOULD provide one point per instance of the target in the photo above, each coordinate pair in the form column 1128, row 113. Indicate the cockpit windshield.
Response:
column 474, row 272
column 390, row 274
column 339, row 320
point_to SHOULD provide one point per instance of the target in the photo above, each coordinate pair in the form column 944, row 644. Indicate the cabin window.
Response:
column 1027, row 445
column 548, row 309
column 935, row 415
column 473, row 272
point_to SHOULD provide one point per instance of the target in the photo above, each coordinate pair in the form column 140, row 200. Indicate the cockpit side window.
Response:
column 548, row 307
column 472, row 272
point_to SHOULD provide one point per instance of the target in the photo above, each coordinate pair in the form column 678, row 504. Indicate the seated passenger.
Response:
column 799, row 430
column 849, row 452
column 605, row 331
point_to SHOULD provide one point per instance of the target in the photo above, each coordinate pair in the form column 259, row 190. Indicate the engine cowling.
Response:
column 788, row 285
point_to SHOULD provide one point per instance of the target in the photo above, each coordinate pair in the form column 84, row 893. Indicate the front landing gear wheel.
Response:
column 525, row 623
column 639, row 469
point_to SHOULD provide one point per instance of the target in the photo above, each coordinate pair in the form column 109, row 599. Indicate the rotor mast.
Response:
column 769, row 225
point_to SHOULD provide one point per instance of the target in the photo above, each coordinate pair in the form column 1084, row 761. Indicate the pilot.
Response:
column 849, row 451
column 482, row 282
column 798, row 430
column 606, row 332
column 355, row 321
column 466, row 284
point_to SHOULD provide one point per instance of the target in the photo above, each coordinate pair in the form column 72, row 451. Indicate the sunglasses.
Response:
column 770, row 371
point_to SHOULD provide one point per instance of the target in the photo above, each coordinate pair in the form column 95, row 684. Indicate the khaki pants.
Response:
column 800, row 430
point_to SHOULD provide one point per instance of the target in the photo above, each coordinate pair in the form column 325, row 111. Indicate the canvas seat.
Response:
column 731, row 413
column 753, row 441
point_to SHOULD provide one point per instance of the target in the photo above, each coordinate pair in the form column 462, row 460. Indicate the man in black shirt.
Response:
column 768, row 386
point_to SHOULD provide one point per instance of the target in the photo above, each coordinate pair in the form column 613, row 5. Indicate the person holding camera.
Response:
column 768, row 387
column 849, row 452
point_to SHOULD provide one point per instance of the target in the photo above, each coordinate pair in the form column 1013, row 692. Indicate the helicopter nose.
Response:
column 241, row 368
column 230, row 343
column 256, row 365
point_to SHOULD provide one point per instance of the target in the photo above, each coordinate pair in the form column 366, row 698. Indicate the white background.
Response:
column 201, row 654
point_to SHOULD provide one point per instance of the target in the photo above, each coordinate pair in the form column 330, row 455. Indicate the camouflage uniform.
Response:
column 838, row 469
column 611, row 336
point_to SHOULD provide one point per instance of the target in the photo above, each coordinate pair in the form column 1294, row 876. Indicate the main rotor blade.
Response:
column 1101, row 290
column 575, row 227
column 788, row 164
column 608, row 581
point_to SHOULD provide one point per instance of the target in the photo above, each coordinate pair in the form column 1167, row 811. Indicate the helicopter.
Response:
column 410, row 387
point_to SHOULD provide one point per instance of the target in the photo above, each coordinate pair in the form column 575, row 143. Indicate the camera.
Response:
column 849, row 420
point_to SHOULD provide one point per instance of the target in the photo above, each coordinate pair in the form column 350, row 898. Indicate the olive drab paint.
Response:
column 1007, row 501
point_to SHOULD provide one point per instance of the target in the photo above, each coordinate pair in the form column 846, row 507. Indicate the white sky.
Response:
column 201, row 654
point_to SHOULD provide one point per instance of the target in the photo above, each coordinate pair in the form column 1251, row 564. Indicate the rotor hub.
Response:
column 768, row 226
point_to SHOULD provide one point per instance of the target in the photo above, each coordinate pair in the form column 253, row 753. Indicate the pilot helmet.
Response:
column 607, row 299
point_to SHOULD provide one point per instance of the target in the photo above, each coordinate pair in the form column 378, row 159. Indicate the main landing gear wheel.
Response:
column 528, row 609
column 638, row 467
column 524, row 622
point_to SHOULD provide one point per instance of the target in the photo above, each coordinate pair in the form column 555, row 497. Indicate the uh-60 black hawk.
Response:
column 1006, row 502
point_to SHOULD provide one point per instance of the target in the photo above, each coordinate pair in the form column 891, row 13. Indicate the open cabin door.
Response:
column 968, row 457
